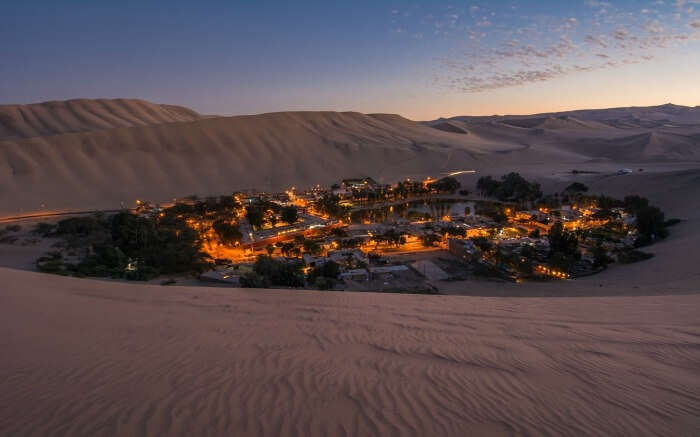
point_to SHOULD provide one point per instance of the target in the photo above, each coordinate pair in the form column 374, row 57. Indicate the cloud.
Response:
column 595, row 40
column 514, row 47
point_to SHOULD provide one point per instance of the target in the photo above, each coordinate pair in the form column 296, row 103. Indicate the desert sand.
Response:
column 106, row 153
column 98, row 358
column 85, row 357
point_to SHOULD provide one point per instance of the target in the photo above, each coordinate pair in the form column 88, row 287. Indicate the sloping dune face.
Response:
column 101, row 154
column 218, row 155
column 105, row 359
column 657, row 133
column 80, row 115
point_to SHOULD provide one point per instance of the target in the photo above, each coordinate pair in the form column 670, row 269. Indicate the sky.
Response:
column 420, row 59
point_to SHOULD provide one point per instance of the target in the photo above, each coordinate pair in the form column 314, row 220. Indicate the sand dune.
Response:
column 660, row 133
column 93, row 358
column 104, row 153
column 219, row 155
column 79, row 115
column 641, row 116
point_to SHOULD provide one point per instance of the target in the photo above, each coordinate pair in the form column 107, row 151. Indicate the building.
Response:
column 359, row 184
column 386, row 272
column 226, row 275
column 341, row 256
column 355, row 275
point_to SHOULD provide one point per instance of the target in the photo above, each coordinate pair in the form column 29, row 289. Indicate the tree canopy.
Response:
column 511, row 187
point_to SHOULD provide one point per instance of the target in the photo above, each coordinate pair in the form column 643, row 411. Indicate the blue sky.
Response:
column 421, row 59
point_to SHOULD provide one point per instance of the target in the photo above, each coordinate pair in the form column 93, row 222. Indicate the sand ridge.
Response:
column 150, row 360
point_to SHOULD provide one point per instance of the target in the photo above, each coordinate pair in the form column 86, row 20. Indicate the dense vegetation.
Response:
column 124, row 245
column 329, row 204
column 445, row 185
column 510, row 188
column 268, row 271
column 563, row 247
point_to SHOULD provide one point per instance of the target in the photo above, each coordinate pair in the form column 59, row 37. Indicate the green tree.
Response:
column 287, row 249
column 560, row 240
column 290, row 214
column 311, row 246
column 600, row 257
column 447, row 184
column 576, row 187
column 254, row 216
column 226, row 232
column 650, row 225
column 430, row 239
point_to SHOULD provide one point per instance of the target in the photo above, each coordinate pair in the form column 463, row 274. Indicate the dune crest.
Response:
column 107, row 153
column 80, row 115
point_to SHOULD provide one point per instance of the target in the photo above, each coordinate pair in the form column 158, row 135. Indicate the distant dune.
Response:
column 80, row 115
column 103, row 167
column 639, row 116
column 100, row 153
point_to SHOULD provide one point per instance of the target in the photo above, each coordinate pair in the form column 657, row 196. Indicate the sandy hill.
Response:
column 218, row 155
column 102, row 153
column 57, row 117
column 667, row 132
column 654, row 115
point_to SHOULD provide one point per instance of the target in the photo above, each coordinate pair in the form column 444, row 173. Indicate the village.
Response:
column 408, row 236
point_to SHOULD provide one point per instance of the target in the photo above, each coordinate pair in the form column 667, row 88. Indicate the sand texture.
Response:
column 102, row 154
column 85, row 357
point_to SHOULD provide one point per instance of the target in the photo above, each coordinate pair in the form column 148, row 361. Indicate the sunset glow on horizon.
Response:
column 423, row 60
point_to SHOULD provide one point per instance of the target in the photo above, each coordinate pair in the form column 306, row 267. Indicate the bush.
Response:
column 576, row 187
column 429, row 240
column 492, row 211
column 324, row 283
column 633, row 204
column 226, row 232
column 253, row 280
column 600, row 257
column 511, row 187
column 13, row 228
column 650, row 225
column 633, row 256
column 254, row 216
column 50, row 265
column 329, row 270
column 164, row 245
column 78, row 226
column 482, row 243
column 8, row 239
column 672, row 222
column 143, row 273
column 44, row 229
column 278, row 272
column 289, row 214
column 445, row 185
column 561, row 240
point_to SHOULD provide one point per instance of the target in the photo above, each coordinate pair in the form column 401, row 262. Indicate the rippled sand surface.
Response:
column 89, row 358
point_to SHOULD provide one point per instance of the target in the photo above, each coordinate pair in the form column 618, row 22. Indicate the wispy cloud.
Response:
column 512, row 46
